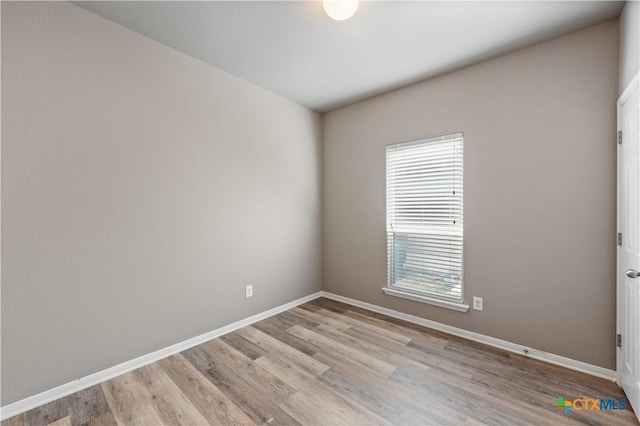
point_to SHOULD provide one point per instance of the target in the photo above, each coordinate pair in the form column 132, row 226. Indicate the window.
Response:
column 424, row 219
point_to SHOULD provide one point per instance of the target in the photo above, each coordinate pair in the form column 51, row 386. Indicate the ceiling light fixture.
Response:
column 340, row 9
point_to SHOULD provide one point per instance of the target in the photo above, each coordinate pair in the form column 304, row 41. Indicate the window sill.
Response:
column 456, row 306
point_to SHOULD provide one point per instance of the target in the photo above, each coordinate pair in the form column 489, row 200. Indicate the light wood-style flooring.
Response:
column 327, row 363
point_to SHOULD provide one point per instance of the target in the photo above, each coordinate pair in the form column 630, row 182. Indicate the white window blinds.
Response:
column 424, row 216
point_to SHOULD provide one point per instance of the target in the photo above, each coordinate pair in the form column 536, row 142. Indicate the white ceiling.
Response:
column 293, row 49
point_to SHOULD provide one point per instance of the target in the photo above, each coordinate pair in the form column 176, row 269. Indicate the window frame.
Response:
column 416, row 294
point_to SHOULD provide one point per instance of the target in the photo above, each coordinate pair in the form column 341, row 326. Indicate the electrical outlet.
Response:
column 248, row 291
column 477, row 303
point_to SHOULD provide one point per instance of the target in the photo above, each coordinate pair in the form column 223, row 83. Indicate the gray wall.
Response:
column 540, row 186
column 141, row 191
column 629, row 43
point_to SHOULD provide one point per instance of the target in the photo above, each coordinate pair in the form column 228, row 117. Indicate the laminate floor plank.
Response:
column 166, row 397
column 329, row 363
column 319, row 318
column 90, row 407
column 396, row 358
column 445, row 385
column 214, row 405
column 482, row 358
column 252, row 396
column 468, row 402
column 311, row 409
column 358, row 325
column 331, row 305
column 297, row 359
column 256, row 405
column 65, row 421
column 448, row 404
column 311, row 307
column 565, row 376
column 344, row 353
column 431, row 358
column 411, row 330
column 534, row 383
column 241, row 344
column 14, row 421
column 260, row 378
column 537, row 399
column 130, row 401
column 315, row 402
column 288, row 319
column 471, row 362
column 273, row 329
column 47, row 413
column 379, row 398
column 470, row 421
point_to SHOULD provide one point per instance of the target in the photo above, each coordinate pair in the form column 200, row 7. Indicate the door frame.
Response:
column 626, row 94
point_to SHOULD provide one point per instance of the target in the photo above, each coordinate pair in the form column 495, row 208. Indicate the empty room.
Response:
column 330, row 212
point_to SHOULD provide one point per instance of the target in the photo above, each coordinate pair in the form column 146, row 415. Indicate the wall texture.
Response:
column 141, row 191
column 629, row 44
column 540, row 183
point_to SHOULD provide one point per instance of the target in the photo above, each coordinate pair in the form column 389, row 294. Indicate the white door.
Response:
column 629, row 250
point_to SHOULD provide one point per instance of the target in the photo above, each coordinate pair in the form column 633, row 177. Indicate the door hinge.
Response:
column 620, row 239
column 618, row 340
column 620, row 137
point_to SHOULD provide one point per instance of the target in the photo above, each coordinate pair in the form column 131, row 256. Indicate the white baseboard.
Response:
column 37, row 400
column 572, row 364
